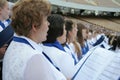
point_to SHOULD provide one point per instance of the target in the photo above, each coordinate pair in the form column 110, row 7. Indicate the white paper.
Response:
column 100, row 64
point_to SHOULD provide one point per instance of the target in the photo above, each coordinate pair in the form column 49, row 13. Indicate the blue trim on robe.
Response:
column 8, row 21
column 2, row 25
column 99, row 40
column 119, row 78
column 55, row 44
column 6, row 35
column 75, row 61
column 85, row 49
column 22, row 40
column 50, row 61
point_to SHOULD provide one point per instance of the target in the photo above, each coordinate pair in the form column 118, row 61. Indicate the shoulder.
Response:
column 52, row 50
column 18, row 52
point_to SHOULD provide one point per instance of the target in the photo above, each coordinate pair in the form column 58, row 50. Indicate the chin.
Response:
column 45, row 39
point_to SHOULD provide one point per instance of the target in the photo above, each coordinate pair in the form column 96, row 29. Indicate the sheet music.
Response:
column 112, row 71
column 95, row 64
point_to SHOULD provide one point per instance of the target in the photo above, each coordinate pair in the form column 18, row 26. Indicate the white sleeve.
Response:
column 67, row 66
column 39, row 68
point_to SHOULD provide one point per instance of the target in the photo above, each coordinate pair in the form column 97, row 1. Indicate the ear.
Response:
column 0, row 10
column 34, row 27
column 69, row 32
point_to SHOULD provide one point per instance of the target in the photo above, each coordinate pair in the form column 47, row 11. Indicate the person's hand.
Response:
column 2, row 50
column 68, row 79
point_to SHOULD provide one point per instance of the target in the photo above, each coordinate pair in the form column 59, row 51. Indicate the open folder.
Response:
column 99, row 64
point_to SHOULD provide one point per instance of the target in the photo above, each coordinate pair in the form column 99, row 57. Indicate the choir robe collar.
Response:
column 32, row 43
column 55, row 44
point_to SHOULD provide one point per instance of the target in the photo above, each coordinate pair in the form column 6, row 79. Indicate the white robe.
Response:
column 71, row 50
column 117, row 50
column 62, row 60
column 22, row 62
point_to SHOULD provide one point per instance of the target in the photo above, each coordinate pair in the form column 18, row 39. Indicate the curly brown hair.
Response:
column 29, row 12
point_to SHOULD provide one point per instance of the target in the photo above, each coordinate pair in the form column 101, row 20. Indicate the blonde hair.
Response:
column 77, row 48
column 2, row 3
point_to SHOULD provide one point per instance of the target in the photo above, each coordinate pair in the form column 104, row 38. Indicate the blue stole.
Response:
column 99, row 40
column 6, row 36
column 102, row 46
column 75, row 62
column 22, row 40
column 50, row 61
column 119, row 78
column 59, row 46
column 85, row 49
column 9, row 21
column 2, row 25
column 55, row 44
